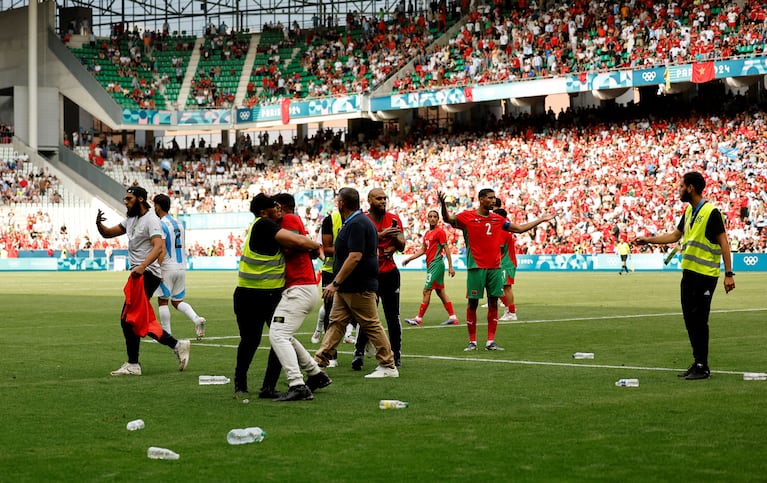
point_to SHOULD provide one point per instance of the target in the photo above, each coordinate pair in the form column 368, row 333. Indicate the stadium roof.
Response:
column 192, row 16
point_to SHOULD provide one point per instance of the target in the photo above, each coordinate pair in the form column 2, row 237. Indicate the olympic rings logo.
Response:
column 244, row 115
column 751, row 260
column 648, row 76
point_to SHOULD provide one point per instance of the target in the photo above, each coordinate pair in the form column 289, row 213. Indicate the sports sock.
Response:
column 492, row 321
column 422, row 310
column 164, row 311
column 321, row 319
column 513, row 308
column 450, row 309
column 187, row 310
column 471, row 324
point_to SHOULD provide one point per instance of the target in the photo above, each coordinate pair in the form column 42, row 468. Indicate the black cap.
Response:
column 139, row 192
column 261, row 202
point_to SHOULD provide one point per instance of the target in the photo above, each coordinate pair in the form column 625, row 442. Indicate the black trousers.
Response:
column 388, row 297
column 696, row 292
column 132, row 341
column 254, row 309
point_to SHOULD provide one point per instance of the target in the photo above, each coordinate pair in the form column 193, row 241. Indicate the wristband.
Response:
column 729, row 274
column 335, row 284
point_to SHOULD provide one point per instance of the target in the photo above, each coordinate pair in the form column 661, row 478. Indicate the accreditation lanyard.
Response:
column 695, row 212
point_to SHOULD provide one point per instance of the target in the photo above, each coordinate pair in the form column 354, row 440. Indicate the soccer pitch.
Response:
column 529, row 413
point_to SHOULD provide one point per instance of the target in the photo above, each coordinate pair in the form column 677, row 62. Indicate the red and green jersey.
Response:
column 484, row 236
column 508, row 252
column 434, row 244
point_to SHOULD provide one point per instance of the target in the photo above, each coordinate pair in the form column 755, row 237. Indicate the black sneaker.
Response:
column 698, row 371
column 357, row 363
column 240, row 386
column 268, row 393
column 296, row 393
column 687, row 372
column 318, row 381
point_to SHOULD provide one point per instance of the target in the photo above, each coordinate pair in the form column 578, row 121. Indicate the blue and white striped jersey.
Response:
column 175, row 243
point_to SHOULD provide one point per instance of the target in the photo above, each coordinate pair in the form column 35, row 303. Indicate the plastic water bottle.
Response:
column 583, row 355
column 156, row 453
column 135, row 425
column 627, row 383
column 392, row 404
column 755, row 376
column 246, row 435
column 210, row 380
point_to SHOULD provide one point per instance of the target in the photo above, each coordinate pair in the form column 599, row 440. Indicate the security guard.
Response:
column 260, row 281
column 704, row 246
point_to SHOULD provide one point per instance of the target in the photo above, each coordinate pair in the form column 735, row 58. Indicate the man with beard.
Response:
column 390, row 240
column 704, row 245
column 144, row 246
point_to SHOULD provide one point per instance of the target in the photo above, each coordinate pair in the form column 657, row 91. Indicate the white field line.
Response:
column 205, row 343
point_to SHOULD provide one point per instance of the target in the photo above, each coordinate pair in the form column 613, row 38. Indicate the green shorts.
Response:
column 435, row 275
column 508, row 274
column 479, row 279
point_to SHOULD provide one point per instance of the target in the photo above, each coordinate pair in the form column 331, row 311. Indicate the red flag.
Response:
column 702, row 72
column 468, row 93
column 285, row 110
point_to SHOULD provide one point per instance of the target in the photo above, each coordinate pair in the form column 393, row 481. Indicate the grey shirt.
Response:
column 141, row 230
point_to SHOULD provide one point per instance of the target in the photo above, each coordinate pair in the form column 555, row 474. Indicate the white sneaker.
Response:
column 182, row 353
column 316, row 336
column 333, row 363
column 128, row 369
column 199, row 327
column 381, row 372
column 349, row 340
column 508, row 316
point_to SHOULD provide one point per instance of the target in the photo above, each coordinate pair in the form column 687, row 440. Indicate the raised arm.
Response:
column 108, row 232
column 515, row 228
column 446, row 216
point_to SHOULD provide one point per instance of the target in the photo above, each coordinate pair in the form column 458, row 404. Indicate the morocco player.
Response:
column 434, row 245
column 483, row 232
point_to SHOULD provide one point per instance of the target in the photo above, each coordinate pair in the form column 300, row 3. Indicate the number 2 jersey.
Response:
column 173, row 236
column 484, row 235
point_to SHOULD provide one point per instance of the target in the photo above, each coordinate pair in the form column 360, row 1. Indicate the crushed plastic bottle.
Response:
column 627, row 383
column 134, row 425
column 583, row 355
column 156, row 453
column 211, row 380
column 392, row 404
column 755, row 376
column 245, row 435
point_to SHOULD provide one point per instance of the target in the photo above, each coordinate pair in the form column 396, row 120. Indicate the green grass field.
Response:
column 529, row 413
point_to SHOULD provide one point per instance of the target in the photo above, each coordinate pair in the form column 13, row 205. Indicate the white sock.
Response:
column 321, row 319
column 348, row 330
column 164, row 317
column 187, row 310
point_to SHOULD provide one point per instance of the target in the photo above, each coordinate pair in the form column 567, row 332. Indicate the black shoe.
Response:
column 240, row 386
column 296, row 393
column 318, row 381
column 357, row 363
column 698, row 371
column 268, row 393
column 687, row 372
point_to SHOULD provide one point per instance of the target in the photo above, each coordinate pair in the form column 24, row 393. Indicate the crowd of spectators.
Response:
column 518, row 39
column 610, row 175
column 221, row 55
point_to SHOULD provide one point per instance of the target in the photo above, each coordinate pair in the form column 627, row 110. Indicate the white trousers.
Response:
column 294, row 306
